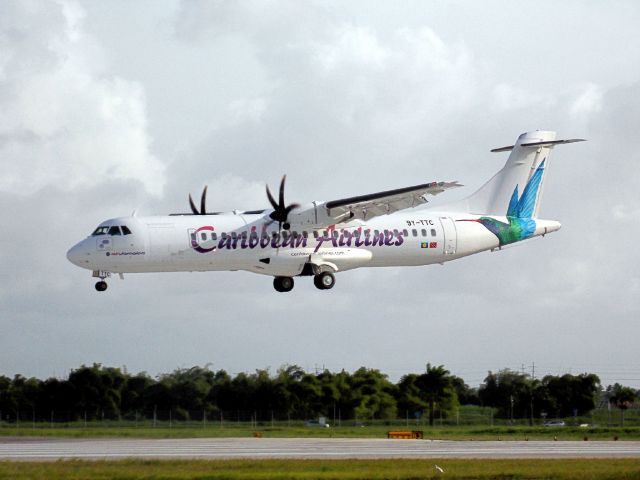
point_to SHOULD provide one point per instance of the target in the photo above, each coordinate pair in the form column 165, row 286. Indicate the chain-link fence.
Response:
column 178, row 418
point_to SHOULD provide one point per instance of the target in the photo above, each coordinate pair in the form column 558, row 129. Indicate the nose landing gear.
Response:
column 101, row 286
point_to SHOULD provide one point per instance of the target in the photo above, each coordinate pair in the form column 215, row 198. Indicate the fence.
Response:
column 465, row 416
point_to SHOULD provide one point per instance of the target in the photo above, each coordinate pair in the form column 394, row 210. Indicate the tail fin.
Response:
column 524, row 172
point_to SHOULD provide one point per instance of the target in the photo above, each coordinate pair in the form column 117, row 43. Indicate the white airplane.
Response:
column 319, row 239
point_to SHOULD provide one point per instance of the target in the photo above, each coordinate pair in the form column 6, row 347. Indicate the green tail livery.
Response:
column 519, row 213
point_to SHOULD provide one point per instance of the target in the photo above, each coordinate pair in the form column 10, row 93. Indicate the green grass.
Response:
column 374, row 431
column 583, row 469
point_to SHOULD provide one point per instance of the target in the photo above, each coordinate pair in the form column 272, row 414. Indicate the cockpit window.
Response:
column 100, row 231
column 114, row 231
column 125, row 230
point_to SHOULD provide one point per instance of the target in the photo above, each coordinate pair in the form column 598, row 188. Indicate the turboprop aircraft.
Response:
column 320, row 239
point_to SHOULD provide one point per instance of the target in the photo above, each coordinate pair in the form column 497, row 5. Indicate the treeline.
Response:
column 98, row 392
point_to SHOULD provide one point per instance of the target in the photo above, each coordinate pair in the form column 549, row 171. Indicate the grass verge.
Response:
column 578, row 469
column 376, row 431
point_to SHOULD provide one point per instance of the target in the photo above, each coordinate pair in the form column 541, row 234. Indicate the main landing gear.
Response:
column 322, row 281
column 101, row 286
column 283, row 284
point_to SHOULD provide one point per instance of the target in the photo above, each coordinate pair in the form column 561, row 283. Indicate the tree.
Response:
column 189, row 389
column 98, row 389
column 466, row 395
column 373, row 394
column 436, row 388
column 410, row 398
column 622, row 397
column 133, row 396
column 572, row 393
column 509, row 391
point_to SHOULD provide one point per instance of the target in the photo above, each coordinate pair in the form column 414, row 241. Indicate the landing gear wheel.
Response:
column 101, row 286
column 283, row 284
column 324, row 280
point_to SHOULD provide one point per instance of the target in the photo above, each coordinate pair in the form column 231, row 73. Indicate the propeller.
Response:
column 280, row 211
column 203, row 203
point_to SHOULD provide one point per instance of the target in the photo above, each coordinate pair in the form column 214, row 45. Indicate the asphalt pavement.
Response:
column 310, row 448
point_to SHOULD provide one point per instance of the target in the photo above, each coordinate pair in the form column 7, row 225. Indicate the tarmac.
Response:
column 46, row 449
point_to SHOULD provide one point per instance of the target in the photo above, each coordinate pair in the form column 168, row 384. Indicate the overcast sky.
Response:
column 107, row 107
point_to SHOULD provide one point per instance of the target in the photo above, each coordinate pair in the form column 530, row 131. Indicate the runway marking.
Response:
column 219, row 448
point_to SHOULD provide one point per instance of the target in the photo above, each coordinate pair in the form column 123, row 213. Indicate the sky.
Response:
column 111, row 107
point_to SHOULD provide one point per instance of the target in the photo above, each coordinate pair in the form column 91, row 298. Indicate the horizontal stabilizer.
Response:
column 551, row 143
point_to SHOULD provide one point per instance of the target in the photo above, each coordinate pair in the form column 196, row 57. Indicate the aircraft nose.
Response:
column 75, row 254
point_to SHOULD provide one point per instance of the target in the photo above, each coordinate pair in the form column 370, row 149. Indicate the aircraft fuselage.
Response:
column 252, row 243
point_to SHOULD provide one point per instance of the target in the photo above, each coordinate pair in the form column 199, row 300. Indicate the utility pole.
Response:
column 533, row 377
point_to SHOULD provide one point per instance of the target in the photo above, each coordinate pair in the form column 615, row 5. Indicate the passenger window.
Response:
column 265, row 235
column 203, row 235
column 125, row 230
column 234, row 235
column 114, row 231
column 424, row 232
column 214, row 236
column 305, row 234
column 335, row 234
column 294, row 234
column 433, row 232
column 357, row 233
column 395, row 232
column 315, row 234
column 367, row 232
column 405, row 232
column 376, row 233
column 414, row 232
column 285, row 235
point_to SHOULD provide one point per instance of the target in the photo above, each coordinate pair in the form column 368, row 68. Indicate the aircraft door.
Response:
column 450, row 236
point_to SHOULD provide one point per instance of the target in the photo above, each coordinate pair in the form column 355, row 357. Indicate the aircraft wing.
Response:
column 365, row 207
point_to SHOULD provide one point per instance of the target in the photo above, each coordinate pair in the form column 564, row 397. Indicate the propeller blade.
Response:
column 284, row 177
column 280, row 210
column 193, row 206
column 287, row 210
column 272, row 200
column 203, row 201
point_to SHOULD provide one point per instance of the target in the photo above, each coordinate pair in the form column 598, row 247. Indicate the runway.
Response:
column 264, row 448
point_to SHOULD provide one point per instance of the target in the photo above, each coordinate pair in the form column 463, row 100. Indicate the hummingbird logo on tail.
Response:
column 519, row 213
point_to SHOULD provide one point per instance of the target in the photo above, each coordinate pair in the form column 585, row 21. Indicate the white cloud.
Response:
column 345, row 100
column 352, row 46
column 511, row 97
column 589, row 101
column 63, row 122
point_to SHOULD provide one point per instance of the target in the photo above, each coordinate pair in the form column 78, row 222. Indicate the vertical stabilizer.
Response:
column 516, row 189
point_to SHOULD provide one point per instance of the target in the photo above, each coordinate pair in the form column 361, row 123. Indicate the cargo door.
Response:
column 450, row 236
